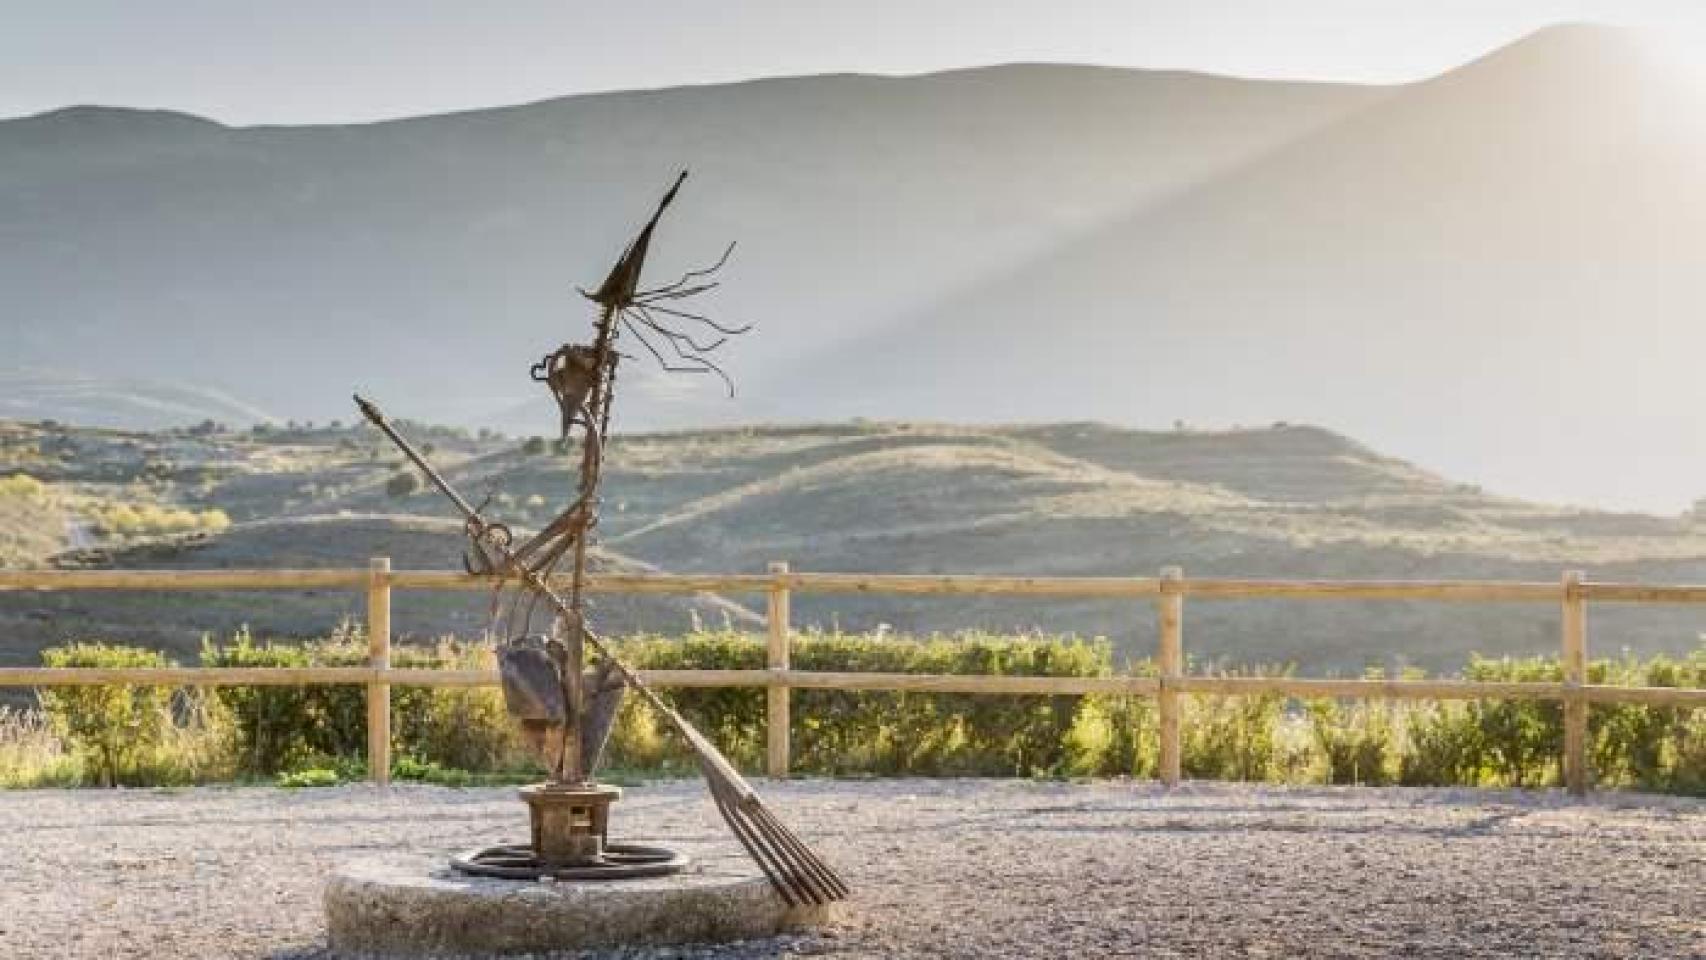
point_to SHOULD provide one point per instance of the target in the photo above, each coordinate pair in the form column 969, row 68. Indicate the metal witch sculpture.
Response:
column 565, row 710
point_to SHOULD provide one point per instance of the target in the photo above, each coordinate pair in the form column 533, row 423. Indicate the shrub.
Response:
column 533, row 446
column 1650, row 747
column 1443, row 747
column 882, row 732
column 1355, row 740
column 279, row 728
column 402, row 483
column 285, row 728
column 1231, row 738
column 113, row 728
column 142, row 520
column 32, row 754
column 22, row 485
column 1114, row 736
column 311, row 777
column 416, row 771
column 455, row 728
column 1522, row 739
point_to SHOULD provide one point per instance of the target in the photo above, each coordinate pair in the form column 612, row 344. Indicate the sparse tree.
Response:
column 402, row 484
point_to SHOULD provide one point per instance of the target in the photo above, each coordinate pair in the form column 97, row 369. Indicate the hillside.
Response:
column 1495, row 272
column 127, row 402
column 288, row 265
column 1070, row 499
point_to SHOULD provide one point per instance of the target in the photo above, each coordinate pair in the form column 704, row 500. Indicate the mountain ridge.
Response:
column 281, row 226
column 70, row 111
column 1471, row 277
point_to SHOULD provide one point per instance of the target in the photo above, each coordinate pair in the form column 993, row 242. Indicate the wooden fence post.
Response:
column 1574, row 662
column 776, row 712
column 379, row 658
column 1171, row 659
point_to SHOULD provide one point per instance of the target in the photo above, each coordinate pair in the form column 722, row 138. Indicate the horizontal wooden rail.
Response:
column 1372, row 689
column 1455, row 590
column 184, row 676
column 949, row 585
column 1640, row 593
column 353, row 579
column 902, row 682
column 1437, row 690
column 666, row 583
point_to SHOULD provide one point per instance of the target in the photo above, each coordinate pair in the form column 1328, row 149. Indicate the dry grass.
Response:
column 32, row 520
column 195, row 746
column 32, row 754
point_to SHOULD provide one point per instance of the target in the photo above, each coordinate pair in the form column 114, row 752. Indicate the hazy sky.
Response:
column 332, row 60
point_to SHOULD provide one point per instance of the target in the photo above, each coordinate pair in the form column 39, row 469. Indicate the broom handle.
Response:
column 477, row 528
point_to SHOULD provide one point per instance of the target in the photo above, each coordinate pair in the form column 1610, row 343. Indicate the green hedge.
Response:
column 1519, row 742
column 445, row 734
column 279, row 729
column 883, row 732
column 114, row 729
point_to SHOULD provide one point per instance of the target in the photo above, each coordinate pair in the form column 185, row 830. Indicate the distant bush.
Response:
column 534, row 446
column 402, row 484
column 142, row 520
column 22, row 485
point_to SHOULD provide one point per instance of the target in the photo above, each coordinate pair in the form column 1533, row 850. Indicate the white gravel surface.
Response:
column 942, row 868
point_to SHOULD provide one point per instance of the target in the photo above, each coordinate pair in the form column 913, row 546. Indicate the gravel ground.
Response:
column 942, row 868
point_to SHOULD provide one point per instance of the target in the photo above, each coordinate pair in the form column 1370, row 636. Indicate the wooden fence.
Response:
column 1167, row 593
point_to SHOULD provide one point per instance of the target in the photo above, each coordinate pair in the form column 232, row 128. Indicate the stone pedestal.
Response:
column 417, row 906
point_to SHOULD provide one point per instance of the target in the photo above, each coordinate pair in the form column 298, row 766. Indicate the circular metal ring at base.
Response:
column 620, row 861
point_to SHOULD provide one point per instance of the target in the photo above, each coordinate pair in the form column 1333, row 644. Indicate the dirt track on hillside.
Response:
column 942, row 868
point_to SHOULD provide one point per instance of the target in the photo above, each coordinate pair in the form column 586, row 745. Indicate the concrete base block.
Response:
column 418, row 906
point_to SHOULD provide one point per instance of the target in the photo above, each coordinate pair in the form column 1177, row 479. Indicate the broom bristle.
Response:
column 798, row 874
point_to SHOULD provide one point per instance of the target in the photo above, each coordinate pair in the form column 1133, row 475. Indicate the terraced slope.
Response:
column 1069, row 499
